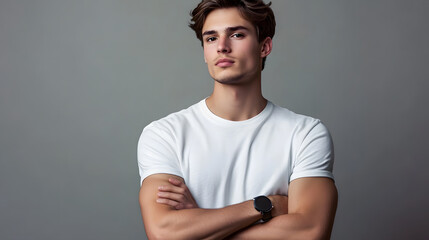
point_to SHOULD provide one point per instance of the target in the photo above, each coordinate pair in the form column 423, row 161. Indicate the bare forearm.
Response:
column 311, row 212
column 288, row 226
column 170, row 212
column 174, row 214
column 200, row 223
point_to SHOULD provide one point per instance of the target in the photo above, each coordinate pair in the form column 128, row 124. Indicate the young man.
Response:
column 235, row 165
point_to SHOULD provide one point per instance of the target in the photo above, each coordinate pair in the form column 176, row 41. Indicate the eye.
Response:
column 237, row 35
column 210, row 39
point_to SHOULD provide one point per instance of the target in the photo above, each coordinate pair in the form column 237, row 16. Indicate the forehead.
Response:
column 222, row 18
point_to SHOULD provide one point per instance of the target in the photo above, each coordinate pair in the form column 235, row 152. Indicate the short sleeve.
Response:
column 315, row 157
column 156, row 152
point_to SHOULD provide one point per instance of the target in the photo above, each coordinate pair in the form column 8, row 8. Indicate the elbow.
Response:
column 318, row 232
column 165, row 235
column 153, row 234
column 312, row 229
column 162, row 231
column 158, row 234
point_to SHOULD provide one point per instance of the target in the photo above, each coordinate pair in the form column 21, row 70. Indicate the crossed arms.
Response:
column 170, row 212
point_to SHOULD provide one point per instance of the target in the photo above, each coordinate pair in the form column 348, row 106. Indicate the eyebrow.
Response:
column 228, row 29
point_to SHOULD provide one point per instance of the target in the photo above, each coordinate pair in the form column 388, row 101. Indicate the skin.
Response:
column 164, row 221
column 168, row 208
column 299, row 223
column 236, row 42
column 237, row 93
column 178, row 196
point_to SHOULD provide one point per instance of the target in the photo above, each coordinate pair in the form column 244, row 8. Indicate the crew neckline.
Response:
column 225, row 122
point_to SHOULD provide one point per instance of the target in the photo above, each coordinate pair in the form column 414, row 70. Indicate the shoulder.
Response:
column 175, row 121
column 298, row 122
column 313, row 152
column 302, row 130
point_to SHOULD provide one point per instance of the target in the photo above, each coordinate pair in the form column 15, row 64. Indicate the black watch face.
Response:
column 263, row 204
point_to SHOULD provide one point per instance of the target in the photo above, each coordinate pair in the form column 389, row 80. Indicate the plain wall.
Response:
column 80, row 79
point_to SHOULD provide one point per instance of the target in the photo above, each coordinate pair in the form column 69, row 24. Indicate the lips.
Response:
column 224, row 62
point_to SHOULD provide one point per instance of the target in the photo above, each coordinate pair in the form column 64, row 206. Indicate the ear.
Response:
column 266, row 47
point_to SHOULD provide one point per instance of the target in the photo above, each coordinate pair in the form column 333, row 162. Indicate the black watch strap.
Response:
column 266, row 216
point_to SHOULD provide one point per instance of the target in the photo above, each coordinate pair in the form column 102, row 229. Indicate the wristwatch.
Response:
column 263, row 205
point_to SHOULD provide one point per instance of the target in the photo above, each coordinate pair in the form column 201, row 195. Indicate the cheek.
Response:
column 250, row 54
column 208, row 51
column 248, row 48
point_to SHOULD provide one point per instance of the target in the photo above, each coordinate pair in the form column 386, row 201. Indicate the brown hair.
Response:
column 254, row 11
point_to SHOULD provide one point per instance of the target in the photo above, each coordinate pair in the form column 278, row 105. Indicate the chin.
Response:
column 228, row 79
column 231, row 78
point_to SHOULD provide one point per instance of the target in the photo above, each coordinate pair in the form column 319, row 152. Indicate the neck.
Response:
column 237, row 102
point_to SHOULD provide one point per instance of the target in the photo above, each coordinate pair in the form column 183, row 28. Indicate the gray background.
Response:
column 80, row 79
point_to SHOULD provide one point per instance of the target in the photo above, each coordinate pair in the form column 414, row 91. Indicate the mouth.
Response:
column 224, row 62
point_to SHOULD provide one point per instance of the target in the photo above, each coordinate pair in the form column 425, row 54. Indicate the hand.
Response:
column 280, row 204
column 176, row 195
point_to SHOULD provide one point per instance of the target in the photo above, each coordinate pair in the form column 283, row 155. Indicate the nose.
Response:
column 223, row 45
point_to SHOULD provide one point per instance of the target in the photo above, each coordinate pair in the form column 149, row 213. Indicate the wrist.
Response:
column 280, row 205
column 263, row 205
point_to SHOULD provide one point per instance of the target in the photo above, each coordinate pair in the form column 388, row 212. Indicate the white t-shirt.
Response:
column 225, row 162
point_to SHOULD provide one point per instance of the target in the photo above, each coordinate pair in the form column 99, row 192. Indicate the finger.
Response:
column 178, row 183
column 167, row 202
column 172, row 196
column 175, row 181
column 180, row 206
column 171, row 188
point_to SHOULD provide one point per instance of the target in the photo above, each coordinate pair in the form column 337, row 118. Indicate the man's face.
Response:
column 231, row 48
